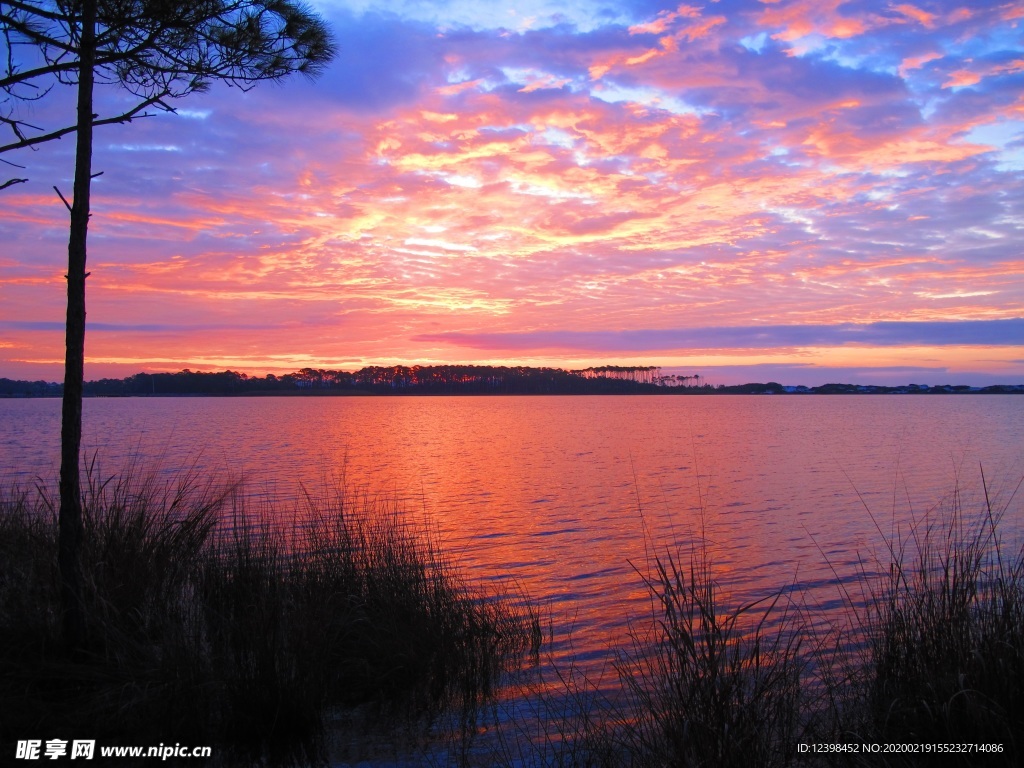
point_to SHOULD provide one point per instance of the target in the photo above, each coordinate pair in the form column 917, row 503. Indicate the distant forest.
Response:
column 397, row 379
column 452, row 380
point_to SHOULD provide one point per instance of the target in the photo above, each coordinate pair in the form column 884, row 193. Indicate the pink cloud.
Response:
column 682, row 170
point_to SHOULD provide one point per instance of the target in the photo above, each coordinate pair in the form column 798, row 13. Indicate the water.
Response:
column 568, row 496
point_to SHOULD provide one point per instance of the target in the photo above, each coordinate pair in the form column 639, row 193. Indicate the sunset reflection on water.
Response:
column 569, row 498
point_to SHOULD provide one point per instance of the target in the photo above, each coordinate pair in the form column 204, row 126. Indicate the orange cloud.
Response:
column 962, row 78
column 698, row 177
column 922, row 17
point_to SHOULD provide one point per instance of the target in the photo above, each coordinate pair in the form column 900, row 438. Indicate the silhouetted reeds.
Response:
column 210, row 622
column 945, row 632
column 705, row 683
column 932, row 656
column 712, row 685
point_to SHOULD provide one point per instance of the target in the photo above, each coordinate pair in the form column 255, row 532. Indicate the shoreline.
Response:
column 828, row 389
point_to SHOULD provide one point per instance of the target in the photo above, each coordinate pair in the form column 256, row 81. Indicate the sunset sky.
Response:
column 801, row 191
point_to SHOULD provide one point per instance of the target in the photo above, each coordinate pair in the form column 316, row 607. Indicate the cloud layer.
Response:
column 717, row 184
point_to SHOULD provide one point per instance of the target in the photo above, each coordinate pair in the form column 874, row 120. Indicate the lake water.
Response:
column 566, row 495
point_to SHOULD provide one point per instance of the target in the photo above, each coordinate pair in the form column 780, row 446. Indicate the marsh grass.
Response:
column 714, row 685
column 945, row 629
column 704, row 682
column 209, row 622
column 930, row 652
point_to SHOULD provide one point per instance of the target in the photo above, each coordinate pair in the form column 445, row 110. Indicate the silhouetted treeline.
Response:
column 456, row 379
column 397, row 379
column 11, row 388
column 487, row 379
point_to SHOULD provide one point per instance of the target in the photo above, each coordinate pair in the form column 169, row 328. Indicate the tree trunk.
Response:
column 70, row 515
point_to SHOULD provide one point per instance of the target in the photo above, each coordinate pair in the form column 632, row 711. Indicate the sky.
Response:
column 799, row 191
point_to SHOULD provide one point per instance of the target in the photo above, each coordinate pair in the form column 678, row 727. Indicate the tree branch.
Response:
column 36, row 36
column 62, row 198
column 35, row 10
column 125, row 117
column 158, row 51
column 103, row 59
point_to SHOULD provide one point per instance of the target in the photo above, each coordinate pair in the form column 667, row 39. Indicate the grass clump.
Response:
column 933, row 654
column 945, row 630
column 715, row 686
column 706, row 683
column 208, row 622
